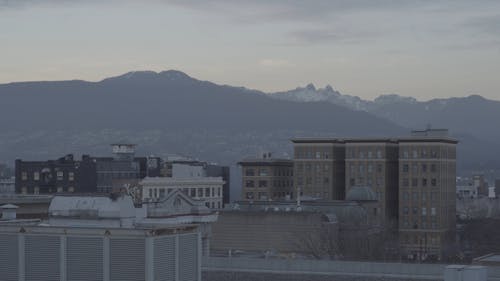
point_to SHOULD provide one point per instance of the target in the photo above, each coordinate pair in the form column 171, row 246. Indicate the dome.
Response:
column 361, row 193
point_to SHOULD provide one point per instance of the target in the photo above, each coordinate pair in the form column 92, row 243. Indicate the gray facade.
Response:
column 34, row 253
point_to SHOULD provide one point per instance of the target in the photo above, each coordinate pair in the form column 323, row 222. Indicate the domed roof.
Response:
column 361, row 193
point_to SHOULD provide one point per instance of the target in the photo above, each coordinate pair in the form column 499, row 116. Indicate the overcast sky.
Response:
column 414, row 48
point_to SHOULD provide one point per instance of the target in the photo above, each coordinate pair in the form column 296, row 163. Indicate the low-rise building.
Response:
column 107, row 238
column 207, row 189
column 267, row 178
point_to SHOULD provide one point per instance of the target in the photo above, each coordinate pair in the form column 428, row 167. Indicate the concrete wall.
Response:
column 416, row 271
column 326, row 267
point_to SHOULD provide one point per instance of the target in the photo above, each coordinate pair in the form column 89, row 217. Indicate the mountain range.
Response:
column 171, row 112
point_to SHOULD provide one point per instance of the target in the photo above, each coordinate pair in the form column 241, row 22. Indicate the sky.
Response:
column 425, row 49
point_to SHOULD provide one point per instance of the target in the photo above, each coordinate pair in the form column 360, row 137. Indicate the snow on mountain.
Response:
column 328, row 94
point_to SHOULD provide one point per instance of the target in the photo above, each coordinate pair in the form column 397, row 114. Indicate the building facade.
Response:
column 62, row 175
column 319, row 168
column 374, row 163
column 207, row 189
column 414, row 178
column 103, row 238
column 267, row 179
column 427, row 195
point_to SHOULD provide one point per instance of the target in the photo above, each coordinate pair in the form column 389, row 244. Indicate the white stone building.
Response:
column 107, row 238
column 206, row 189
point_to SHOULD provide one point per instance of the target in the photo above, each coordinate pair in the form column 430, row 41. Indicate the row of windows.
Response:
column 265, row 183
column 368, row 181
column 406, row 211
column 309, row 167
column 424, row 168
column 423, row 182
column 36, row 190
column 364, row 154
column 361, row 168
column 264, row 172
column 424, row 153
column 312, row 155
column 309, row 180
column 256, row 195
column 212, row 205
column 37, row 176
column 192, row 192
column 423, row 196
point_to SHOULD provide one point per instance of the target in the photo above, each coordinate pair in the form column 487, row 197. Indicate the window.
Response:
column 308, row 180
column 424, row 168
column 318, row 155
column 213, row 205
column 370, row 168
column 415, row 153
column 424, row 211
column 71, row 176
column 24, row 176
column 162, row 192
column 192, row 192
column 370, row 155
column 156, row 192
column 60, row 175
column 406, row 168
column 59, row 189
column 379, row 168
column 406, row 196
column 249, row 183
column 71, row 189
column 249, row 195
column 405, row 154
column 263, row 195
column 415, row 210
column 308, row 167
column 361, row 168
column 433, row 211
column 424, row 196
column 414, row 168
column 379, row 154
column 218, row 192
column 36, row 176
column 263, row 172
column 207, row 192
column 414, row 196
column 352, row 168
column 352, row 182
column 36, row 190
column 424, row 182
column 326, row 155
column 249, row 172
column 326, row 167
column 326, row 180
column 433, row 182
column 405, row 210
column 379, row 181
column 262, row 183
column 213, row 192
column 218, row 205
column 200, row 192
column 150, row 193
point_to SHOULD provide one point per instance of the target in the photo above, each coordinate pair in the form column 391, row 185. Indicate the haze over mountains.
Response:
column 170, row 112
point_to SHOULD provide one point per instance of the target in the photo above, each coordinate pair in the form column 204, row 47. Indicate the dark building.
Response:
column 62, row 175
column 221, row 171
